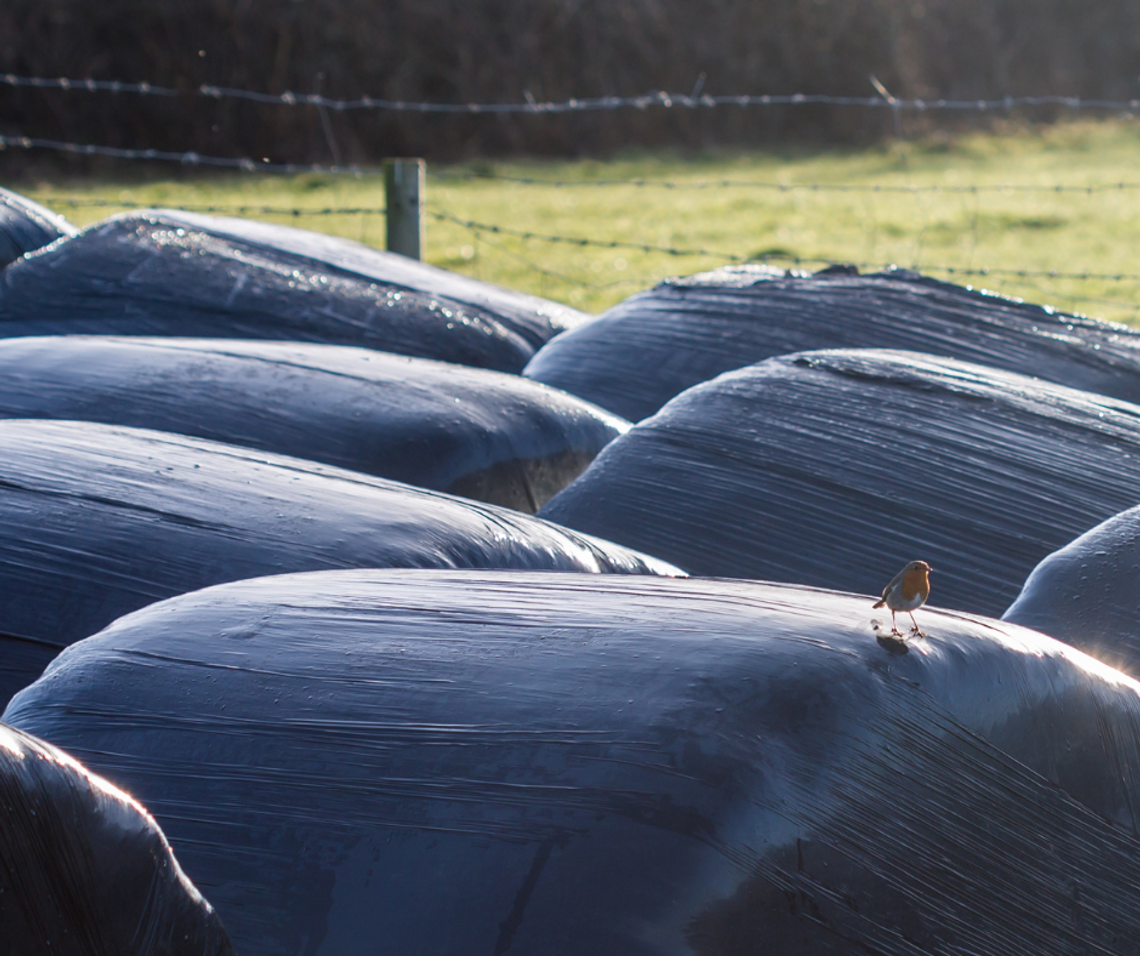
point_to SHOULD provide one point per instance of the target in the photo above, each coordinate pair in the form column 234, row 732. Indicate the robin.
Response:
column 907, row 591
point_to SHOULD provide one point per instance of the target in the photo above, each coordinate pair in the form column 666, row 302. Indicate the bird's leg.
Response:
column 915, row 623
column 894, row 624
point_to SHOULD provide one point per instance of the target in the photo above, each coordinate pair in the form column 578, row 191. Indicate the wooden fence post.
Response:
column 404, row 193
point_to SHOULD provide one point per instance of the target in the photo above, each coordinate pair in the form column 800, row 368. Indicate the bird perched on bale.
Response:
column 907, row 591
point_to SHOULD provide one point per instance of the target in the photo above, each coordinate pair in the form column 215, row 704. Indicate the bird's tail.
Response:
column 881, row 602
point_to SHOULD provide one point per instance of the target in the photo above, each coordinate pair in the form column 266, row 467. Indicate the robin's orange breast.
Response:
column 915, row 586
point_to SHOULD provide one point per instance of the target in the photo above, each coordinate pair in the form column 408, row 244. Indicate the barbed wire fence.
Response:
column 656, row 99
column 493, row 235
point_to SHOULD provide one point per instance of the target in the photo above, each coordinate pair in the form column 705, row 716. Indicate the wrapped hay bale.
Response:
column 472, row 432
column 84, row 868
column 635, row 357
column 26, row 226
column 835, row 468
column 162, row 272
column 99, row 520
column 548, row 764
column 1086, row 593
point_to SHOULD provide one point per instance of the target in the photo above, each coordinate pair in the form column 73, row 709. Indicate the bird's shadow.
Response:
column 890, row 642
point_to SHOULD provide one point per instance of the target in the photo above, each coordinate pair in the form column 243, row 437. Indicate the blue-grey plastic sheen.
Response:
column 473, row 432
column 637, row 355
column 1087, row 593
column 164, row 272
column 85, row 870
column 533, row 764
column 26, row 226
column 836, row 468
column 101, row 520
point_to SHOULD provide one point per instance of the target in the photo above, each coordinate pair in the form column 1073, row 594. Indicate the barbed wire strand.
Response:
column 562, row 277
column 294, row 211
column 264, row 166
column 655, row 99
column 494, row 229
column 796, row 260
column 789, row 187
column 1023, row 282
column 185, row 159
column 484, row 229
column 1056, row 294
column 577, row 241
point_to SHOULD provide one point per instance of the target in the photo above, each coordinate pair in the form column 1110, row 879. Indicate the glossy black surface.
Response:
column 836, row 468
column 1088, row 593
column 482, row 434
column 654, row 345
column 556, row 765
column 85, row 870
column 99, row 520
column 26, row 226
column 162, row 272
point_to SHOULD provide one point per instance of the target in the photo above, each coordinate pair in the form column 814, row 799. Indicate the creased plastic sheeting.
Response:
column 160, row 272
column 473, row 432
column 1088, row 593
column 26, row 226
column 96, row 521
column 85, row 870
column 836, row 468
column 654, row 345
column 555, row 765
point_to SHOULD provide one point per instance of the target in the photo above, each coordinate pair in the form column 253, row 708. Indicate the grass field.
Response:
column 921, row 211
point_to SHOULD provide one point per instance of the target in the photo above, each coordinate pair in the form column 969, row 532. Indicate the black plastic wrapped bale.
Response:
column 836, row 468
column 558, row 765
column 654, row 345
column 96, row 521
column 1088, row 593
column 85, row 870
column 26, row 226
column 473, row 432
column 161, row 272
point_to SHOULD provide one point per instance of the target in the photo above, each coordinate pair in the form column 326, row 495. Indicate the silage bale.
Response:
column 472, row 432
column 85, row 870
column 642, row 352
column 836, row 468
column 164, row 272
column 1087, row 593
column 26, row 226
column 553, row 765
column 100, row 520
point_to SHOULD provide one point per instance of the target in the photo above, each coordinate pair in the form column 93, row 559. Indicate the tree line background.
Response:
column 461, row 51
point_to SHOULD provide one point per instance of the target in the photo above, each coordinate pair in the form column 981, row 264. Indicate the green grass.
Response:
column 1067, row 232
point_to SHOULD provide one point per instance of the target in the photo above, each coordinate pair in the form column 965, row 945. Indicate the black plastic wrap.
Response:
column 557, row 765
column 473, row 432
column 85, row 870
column 96, row 521
column 1088, row 593
column 161, row 272
column 836, row 468
column 26, row 226
column 654, row 345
